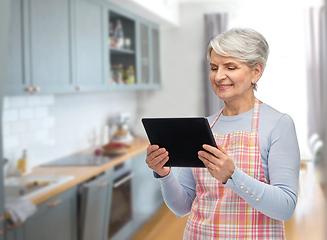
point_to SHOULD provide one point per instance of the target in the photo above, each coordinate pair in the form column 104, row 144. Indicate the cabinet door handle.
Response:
column 29, row 89
column 36, row 89
column 125, row 179
column 55, row 203
column 102, row 184
column 14, row 225
column 79, row 88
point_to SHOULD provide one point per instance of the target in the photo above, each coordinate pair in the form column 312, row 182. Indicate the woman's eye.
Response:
column 214, row 68
column 231, row 68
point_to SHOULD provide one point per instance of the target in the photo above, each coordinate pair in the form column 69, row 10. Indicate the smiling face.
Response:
column 232, row 80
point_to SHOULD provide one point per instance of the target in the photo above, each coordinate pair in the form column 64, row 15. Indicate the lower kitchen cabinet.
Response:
column 55, row 219
column 13, row 232
column 147, row 198
column 86, row 212
column 94, row 205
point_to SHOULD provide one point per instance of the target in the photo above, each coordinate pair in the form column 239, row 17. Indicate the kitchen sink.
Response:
column 28, row 186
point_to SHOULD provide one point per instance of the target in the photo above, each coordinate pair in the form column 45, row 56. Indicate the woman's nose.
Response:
column 220, row 74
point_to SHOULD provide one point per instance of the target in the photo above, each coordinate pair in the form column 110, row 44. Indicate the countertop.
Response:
column 81, row 173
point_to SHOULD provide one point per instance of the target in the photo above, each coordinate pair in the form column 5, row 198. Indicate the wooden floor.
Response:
column 307, row 223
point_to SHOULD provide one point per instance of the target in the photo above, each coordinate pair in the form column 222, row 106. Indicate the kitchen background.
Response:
column 54, row 126
column 51, row 126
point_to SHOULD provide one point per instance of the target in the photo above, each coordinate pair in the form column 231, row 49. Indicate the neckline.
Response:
column 255, row 116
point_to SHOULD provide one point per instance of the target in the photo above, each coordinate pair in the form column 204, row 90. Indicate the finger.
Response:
column 156, row 160
column 151, row 149
column 208, row 156
column 156, row 153
column 162, row 162
column 215, row 151
column 208, row 164
column 221, row 148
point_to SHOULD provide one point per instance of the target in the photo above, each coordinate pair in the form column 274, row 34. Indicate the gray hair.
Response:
column 244, row 44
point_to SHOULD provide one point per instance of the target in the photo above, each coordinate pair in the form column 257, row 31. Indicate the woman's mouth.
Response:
column 224, row 86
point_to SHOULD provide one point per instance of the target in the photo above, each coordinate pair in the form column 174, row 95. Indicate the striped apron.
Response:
column 219, row 213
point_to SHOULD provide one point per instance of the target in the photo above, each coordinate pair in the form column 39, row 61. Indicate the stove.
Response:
column 85, row 159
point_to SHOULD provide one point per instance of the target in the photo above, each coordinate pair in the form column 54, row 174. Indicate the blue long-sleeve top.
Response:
column 280, row 161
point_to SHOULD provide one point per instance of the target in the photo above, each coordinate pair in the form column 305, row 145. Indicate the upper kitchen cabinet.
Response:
column 67, row 46
column 155, row 56
column 50, row 41
column 148, row 59
column 15, row 79
column 90, row 46
column 133, row 63
column 40, row 44
column 122, row 54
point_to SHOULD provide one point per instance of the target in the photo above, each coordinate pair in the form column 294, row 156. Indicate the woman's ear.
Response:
column 257, row 71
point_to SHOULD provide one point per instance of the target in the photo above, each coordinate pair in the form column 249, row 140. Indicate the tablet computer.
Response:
column 181, row 137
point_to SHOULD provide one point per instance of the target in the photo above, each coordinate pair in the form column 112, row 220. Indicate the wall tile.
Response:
column 26, row 113
column 18, row 102
column 10, row 115
column 28, row 140
column 48, row 122
column 34, row 124
column 42, row 135
column 6, row 129
column 54, row 126
column 11, row 141
column 47, row 100
column 41, row 112
column 6, row 102
column 33, row 101
column 18, row 127
column 50, row 142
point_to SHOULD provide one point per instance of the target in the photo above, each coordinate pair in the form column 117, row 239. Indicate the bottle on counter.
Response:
column 22, row 162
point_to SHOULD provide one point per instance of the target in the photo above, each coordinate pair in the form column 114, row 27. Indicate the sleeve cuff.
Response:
column 157, row 176
column 236, row 175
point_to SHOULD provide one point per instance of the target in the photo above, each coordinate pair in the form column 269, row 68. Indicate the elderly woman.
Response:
column 249, row 186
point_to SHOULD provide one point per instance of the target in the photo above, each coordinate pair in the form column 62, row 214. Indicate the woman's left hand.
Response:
column 217, row 161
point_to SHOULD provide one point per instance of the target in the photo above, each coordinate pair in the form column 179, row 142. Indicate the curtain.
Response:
column 316, row 75
column 213, row 25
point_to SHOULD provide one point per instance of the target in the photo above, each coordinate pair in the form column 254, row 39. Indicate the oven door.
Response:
column 121, row 204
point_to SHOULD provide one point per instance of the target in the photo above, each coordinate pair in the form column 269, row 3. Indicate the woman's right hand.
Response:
column 156, row 158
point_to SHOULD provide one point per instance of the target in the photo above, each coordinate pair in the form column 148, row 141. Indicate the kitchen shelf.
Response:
column 121, row 51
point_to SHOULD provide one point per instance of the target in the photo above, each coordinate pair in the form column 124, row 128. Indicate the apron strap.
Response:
column 255, row 118
column 216, row 118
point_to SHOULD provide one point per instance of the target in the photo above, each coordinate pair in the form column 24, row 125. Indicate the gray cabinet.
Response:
column 64, row 46
column 95, row 201
column 149, row 55
column 155, row 56
column 50, row 40
column 15, row 81
column 147, row 197
column 144, row 53
column 13, row 232
column 40, row 47
column 89, row 46
column 55, row 219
